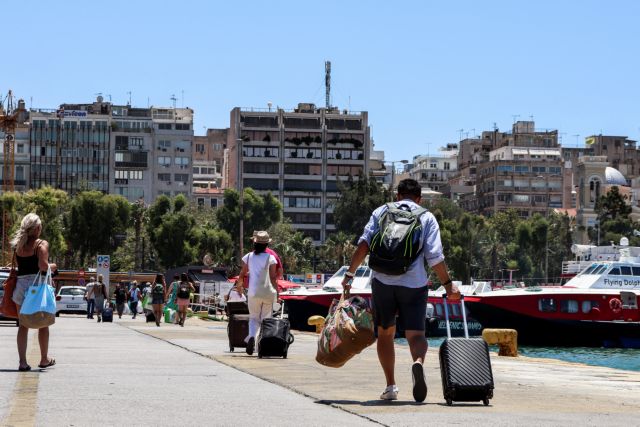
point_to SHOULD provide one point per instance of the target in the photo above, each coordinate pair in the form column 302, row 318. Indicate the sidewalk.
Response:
column 528, row 391
column 110, row 375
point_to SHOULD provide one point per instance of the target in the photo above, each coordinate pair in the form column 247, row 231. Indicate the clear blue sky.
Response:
column 423, row 69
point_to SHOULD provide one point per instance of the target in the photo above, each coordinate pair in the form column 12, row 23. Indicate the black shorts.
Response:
column 409, row 304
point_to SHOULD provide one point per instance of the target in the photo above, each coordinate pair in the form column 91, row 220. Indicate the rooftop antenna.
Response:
column 495, row 126
column 327, row 84
column 174, row 99
column 460, row 131
column 531, row 117
column 474, row 132
column 129, row 93
column 269, row 104
column 577, row 140
column 515, row 116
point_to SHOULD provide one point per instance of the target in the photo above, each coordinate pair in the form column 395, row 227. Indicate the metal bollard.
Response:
column 506, row 339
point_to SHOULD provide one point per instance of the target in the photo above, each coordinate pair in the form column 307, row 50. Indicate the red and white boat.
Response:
column 596, row 308
column 306, row 301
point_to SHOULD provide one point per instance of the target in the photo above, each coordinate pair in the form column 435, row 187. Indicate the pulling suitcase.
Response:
column 465, row 365
column 238, row 330
column 149, row 316
column 274, row 338
column 107, row 315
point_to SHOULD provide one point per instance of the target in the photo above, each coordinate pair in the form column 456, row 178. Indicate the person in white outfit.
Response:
column 263, row 287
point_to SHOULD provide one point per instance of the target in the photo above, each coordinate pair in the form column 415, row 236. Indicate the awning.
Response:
column 520, row 151
column 537, row 152
column 552, row 152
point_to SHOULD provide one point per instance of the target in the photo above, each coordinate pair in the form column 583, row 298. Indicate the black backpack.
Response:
column 158, row 289
column 397, row 243
column 183, row 290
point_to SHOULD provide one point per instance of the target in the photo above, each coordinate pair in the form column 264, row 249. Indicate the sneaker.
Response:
column 390, row 393
column 419, row 383
column 250, row 345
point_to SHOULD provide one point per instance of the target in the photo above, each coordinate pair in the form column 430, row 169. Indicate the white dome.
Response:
column 614, row 177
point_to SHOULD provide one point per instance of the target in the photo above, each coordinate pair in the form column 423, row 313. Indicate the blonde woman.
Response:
column 32, row 256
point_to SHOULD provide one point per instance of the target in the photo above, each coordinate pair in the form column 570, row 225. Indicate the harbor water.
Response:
column 618, row 358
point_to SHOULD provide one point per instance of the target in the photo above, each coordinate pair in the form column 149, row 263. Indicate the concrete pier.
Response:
column 177, row 376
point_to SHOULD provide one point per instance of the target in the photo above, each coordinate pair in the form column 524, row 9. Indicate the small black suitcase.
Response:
column 149, row 316
column 107, row 315
column 238, row 330
column 275, row 337
column 465, row 366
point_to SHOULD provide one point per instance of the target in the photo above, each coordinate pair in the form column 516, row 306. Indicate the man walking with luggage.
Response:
column 400, row 238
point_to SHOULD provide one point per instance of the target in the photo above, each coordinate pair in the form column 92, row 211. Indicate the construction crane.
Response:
column 9, row 118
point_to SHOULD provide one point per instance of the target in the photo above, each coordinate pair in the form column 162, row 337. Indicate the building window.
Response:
column 217, row 147
column 164, row 161
column 433, row 165
column 181, row 177
column 214, row 203
column 136, row 141
column 163, row 144
column 164, row 126
column 183, row 162
column 200, row 201
column 200, row 148
column 447, row 166
column 182, row 126
column 164, row 177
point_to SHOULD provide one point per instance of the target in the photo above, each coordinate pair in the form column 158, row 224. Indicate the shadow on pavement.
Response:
column 377, row 402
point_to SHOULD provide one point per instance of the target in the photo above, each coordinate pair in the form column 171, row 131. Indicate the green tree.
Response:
column 94, row 222
column 260, row 212
column 613, row 210
column 51, row 205
column 336, row 251
column 358, row 199
column 295, row 250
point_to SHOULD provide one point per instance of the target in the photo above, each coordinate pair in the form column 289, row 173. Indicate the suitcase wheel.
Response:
column 231, row 349
column 449, row 402
column 485, row 401
column 284, row 356
column 259, row 356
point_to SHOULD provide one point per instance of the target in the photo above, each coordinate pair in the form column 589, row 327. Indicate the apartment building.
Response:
column 139, row 153
column 522, row 169
column 208, row 160
column 433, row 171
column 620, row 151
column 20, row 143
column 299, row 156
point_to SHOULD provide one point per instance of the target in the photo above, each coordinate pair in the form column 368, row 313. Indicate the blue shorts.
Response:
column 408, row 304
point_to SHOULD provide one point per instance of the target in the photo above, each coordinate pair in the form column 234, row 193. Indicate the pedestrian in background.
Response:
column 134, row 298
column 158, row 296
column 263, row 286
column 90, row 297
column 100, row 296
column 182, row 290
column 121, row 298
column 32, row 256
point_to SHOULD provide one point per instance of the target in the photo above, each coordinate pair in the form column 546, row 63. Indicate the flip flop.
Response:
column 51, row 363
column 24, row 368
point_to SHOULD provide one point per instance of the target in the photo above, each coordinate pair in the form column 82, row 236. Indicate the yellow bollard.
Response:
column 506, row 339
column 318, row 321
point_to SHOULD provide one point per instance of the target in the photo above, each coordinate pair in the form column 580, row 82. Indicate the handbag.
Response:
column 8, row 308
column 39, row 307
column 348, row 330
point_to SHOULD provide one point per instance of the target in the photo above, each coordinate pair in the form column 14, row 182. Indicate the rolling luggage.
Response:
column 274, row 338
column 107, row 315
column 237, row 330
column 465, row 366
column 149, row 316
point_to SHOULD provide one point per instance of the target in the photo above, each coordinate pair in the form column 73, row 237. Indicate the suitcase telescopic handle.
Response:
column 446, row 316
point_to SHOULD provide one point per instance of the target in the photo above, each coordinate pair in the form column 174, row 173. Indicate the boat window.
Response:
column 590, row 269
column 361, row 272
column 439, row 309
column 615, row 271
column 626, row 270
column 636, row 271
column 455, row 309
column 547, row 305
column 600, row 269
column 569, row 306
column 588, row 305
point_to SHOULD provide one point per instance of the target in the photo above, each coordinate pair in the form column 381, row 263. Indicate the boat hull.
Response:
column 300, row 308
column 557, row 332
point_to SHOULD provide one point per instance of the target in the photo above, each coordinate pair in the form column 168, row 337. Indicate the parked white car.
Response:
column 70, row 299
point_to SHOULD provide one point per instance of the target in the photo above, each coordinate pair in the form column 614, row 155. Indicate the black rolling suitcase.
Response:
column 465, row 366
column 275, row 337
column 149, row 316
column 238, row 330
column 107, row 315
